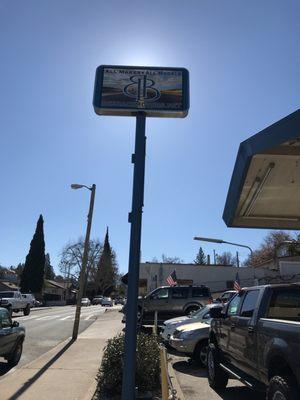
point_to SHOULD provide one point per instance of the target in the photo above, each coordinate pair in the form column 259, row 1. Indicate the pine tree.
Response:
column 200, row 257
column 32, row 277
column 107, row 270
column 49, row 271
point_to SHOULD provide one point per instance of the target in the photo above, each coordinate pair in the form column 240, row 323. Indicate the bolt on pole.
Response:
column 135, row 218
column 82, row 275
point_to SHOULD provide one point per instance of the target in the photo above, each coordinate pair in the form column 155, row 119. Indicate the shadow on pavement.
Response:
column 234, row 391
column 240, row 392
column 190, row 368
column 35, row 377
column 4, row 368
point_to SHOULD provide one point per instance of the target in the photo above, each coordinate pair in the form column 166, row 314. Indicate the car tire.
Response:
column 10, row 311
column 200, row 353
column 217, row 377
column 281, row 388
column 26, row 310
column 191, row 309
column 14, row 358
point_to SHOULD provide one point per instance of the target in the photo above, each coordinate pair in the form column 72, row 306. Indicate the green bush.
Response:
column 147, row 366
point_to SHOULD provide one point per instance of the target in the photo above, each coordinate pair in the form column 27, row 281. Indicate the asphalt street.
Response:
column 45, row 328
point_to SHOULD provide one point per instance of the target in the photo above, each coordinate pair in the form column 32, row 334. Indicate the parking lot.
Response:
column 194, row 385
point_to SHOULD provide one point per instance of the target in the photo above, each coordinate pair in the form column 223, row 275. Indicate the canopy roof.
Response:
column 264, row 191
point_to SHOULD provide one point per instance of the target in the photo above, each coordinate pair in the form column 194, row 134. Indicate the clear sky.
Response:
column 244, row 63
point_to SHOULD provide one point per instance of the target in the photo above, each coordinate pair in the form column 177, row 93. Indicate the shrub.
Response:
column 147, row 365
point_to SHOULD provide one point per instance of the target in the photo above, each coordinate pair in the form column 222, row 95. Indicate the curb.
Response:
column 40, row 309
column 174, row 381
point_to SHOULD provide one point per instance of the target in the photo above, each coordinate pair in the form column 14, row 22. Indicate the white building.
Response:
column 217, row 277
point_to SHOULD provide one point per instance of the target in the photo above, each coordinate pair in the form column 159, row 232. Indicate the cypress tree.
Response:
column 49, row 271
column 32, row 277
column 106, row 271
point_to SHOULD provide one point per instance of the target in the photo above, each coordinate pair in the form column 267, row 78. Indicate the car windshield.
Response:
column 85, row 299
column 7, row 294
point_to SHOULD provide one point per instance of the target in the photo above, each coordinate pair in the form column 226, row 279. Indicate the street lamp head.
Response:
column 211, row 240
column 76, row 186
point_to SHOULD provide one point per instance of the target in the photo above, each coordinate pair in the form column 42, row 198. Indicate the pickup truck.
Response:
column 256, row 338
column 13, row 301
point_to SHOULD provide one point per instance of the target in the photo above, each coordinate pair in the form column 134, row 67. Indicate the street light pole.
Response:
column 84, row 257
column 220, row 241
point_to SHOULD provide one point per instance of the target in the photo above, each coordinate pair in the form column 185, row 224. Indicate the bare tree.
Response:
column 268, row 248
column 171, row 260
column 226, row 258
column 71, row 258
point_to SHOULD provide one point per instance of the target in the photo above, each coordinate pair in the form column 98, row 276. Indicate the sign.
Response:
column 265, row 186
column 155, row 91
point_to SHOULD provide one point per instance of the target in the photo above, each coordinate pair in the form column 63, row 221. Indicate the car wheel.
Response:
column 26, row 310
column 200, row 353
column 10, row 311
column 281, row 388
column 217, row 377
column 191, row 309
column 14, row 358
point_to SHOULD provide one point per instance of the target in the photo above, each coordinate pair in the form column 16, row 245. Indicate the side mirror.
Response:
column 216, row 312
column 15, row 324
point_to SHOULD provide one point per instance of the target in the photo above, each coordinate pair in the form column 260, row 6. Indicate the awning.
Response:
column 264, row 191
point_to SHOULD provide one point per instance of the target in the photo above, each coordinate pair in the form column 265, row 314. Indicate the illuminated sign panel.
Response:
column 158, row 92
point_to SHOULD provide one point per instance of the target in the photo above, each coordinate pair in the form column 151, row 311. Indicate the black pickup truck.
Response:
column 256, row 338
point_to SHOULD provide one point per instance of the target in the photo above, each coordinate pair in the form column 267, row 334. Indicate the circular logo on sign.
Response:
column 141, row 89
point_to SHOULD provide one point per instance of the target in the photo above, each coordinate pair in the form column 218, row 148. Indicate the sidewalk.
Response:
column 66, row 372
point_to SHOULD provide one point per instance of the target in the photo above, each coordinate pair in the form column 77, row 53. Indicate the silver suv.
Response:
column 174, row 300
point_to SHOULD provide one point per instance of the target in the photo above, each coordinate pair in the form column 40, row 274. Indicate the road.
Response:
column 194, row 384
column 45, row 328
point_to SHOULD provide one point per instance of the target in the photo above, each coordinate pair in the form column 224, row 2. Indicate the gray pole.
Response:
column 237, row 259
column 135, row 218
column 82, row 275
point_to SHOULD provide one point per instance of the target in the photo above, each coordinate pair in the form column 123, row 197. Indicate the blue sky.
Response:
column 244, row 67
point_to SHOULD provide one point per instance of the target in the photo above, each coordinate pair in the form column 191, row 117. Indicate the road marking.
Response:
column 90, row 316
column 69, row 316
column 48, row 317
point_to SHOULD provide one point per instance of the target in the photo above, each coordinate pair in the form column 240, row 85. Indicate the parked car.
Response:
column 201, row 315
column 107, row 302
column 38, row 303
column 30, row 298
column 85, row 302
column 97, row 300
column 119, row 300
column 256, row 339
column 192, row 340
column 225, row 297
column 13, row 301
column 171, row 301
column 11, row 338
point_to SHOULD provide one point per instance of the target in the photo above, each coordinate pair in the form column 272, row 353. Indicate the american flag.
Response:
column 172, row 279
column 236, row 285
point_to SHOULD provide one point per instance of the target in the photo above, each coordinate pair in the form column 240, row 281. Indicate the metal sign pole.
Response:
column 135, row 218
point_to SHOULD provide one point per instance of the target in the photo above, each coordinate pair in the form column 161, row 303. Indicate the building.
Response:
column 217, row 277
column 59, row 293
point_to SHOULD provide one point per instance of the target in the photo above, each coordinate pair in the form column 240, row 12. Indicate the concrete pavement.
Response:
column 66, row 372
column 46, row 328
column 193, row 383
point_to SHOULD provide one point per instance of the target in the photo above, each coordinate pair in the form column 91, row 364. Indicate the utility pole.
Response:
column 82, row 276
column 237, row 259
column 214, row 256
